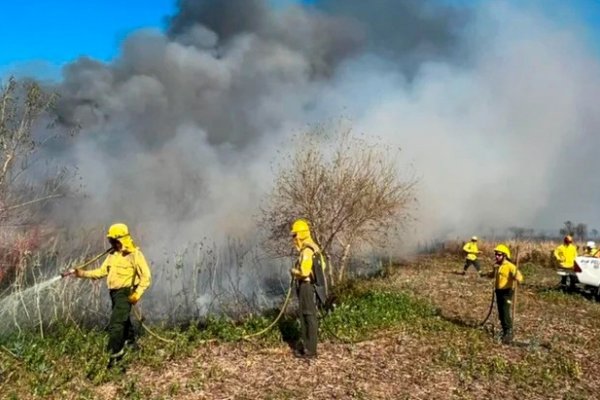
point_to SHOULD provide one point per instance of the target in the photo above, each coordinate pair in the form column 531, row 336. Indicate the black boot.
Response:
column 115, row 358
column 132, row 345
column 507, row 337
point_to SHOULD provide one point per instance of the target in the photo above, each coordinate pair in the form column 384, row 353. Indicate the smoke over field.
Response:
column 492, row 104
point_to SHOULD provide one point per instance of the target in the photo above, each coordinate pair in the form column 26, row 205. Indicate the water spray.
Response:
column 11, row 300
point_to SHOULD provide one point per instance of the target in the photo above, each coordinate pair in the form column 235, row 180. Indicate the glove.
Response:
column 133, row 298
column 68, row 272
column 295, row 272
column 71, row 272
column 78, row 273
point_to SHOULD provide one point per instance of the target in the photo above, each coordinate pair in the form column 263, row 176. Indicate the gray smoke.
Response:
column 226, row 19
column 410, row 32
column 322, row 40
column 493, row 105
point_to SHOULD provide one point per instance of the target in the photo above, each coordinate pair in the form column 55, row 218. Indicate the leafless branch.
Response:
column 350, row 187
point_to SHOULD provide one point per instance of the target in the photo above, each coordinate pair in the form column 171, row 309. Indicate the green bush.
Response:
column 363, row 310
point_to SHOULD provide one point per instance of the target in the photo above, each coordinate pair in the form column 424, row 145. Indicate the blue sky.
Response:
column 63, row 29
column 38, row 36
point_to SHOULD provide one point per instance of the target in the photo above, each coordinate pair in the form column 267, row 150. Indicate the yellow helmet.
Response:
column 120, row 232
column 300, row 229
column 502, row 248
column 117, row 231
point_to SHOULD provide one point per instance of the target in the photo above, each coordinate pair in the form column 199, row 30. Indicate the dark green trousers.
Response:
column 119, row 327
column 474, row 263
column 309, row 324
column 504, row 301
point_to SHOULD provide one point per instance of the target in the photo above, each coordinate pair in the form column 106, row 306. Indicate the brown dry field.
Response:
column 446, row 357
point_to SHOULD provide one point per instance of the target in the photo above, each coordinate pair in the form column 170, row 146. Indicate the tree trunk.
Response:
column 330, row 274
column 343, row 263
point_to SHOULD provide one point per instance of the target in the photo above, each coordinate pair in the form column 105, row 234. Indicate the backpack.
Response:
column 317, row 276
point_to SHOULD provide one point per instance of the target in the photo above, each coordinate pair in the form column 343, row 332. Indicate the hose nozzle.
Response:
column 69, row 272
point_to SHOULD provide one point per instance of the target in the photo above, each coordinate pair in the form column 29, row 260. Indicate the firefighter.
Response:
column 591, row 250
column 128, row 276
column 565, row 254
column 472, row 251
column 506, row 274
column 303, row 274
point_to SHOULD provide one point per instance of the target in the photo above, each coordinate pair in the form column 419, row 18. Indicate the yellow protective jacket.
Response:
column 126, row 268
column 304, row 265
column 565, row 255
column 472, row 250
column 507, row 274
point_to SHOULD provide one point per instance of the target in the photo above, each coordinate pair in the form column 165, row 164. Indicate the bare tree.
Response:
column 518, row 232
column 27, row 183
column 349, row 187
column 22, row 106
column 568, row 229
column 581, row 231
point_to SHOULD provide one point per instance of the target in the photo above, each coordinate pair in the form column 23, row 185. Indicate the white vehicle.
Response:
column 585, row 274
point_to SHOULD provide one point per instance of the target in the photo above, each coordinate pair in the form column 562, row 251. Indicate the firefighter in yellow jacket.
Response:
column 472, row 251
column 507, row 276
column 591, row 250
column 305, row 281
column 565, row 254
column 128, row 276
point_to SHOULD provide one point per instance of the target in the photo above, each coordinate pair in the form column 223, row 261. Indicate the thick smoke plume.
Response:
column 493, row 105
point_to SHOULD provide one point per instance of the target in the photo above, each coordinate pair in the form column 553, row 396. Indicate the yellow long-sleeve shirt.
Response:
column 472, row 250
column 507, row 274
column 123, row 269
column 565, row 255
column 304, row 264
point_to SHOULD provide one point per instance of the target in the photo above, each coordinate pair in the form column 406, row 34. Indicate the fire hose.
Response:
column 288, row 295
column 322, row 315
column 71, row 271
column 139, row 316
column 491, row 309
column 281, row 312
column 253, row 335
column 136, row 311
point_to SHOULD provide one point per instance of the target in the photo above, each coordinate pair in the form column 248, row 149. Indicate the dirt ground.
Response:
column 554, row 357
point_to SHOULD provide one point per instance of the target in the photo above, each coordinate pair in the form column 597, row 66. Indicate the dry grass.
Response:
column 538, row 252
column 444, row 357
column 439, row 356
